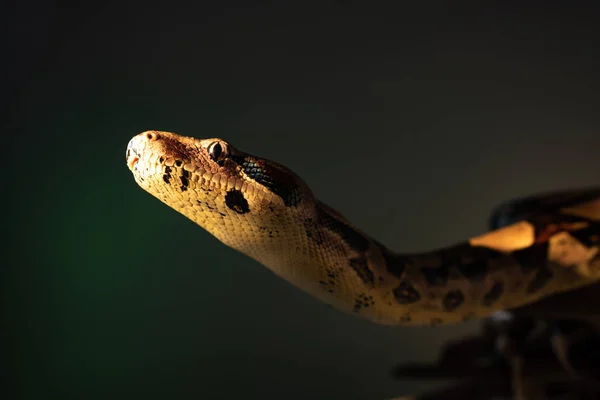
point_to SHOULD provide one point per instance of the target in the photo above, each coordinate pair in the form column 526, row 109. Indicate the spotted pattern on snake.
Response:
column 267, row 212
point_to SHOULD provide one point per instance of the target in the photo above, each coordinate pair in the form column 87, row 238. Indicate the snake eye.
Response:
column 216, row 151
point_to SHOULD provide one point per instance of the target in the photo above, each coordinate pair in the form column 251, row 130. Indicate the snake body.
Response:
column 267, row 212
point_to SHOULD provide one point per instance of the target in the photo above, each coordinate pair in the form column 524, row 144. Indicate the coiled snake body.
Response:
column 267, row 212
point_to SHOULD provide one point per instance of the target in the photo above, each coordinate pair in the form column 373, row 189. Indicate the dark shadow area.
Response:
column 517, row 355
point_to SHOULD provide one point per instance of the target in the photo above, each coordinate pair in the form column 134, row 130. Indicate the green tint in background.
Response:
column 412, row 122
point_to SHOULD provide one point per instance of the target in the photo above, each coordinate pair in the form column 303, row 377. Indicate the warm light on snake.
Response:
column 267, row 212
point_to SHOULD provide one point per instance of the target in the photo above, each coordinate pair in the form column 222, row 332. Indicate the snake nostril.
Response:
column 152, row 136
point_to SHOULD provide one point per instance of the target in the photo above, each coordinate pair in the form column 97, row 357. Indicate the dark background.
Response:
column 413, row 121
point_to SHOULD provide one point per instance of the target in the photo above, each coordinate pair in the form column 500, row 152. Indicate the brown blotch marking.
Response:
column 435, row 321
column 312, row 230
column 329, row 283
column 185, row 182
column 354, row 239
column 588, row 236
column 363, row 301
column 548, row 231
column 395, row 264
column 541, row 279
column 236, row 201
column 493, row 294
column 328, row 286
column 361, row 267
column 277, row 178
column 475, row 272
column 531, row 258
column 167, row 175
column 547, row 225
column 527, row 208
column 406, row 293
column 436, row 276
column 453, row 300
column 471, row 261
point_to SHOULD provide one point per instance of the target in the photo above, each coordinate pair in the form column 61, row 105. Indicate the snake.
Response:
column 545, row 244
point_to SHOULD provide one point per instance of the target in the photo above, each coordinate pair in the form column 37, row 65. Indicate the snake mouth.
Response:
column 132, row 161
column 132, row 156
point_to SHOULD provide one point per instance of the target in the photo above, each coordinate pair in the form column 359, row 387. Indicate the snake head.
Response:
column 222, row 189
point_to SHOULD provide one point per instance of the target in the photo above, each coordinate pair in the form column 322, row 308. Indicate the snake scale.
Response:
column 267, row 212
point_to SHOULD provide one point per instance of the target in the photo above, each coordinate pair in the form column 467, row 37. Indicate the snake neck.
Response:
column 503, row 269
